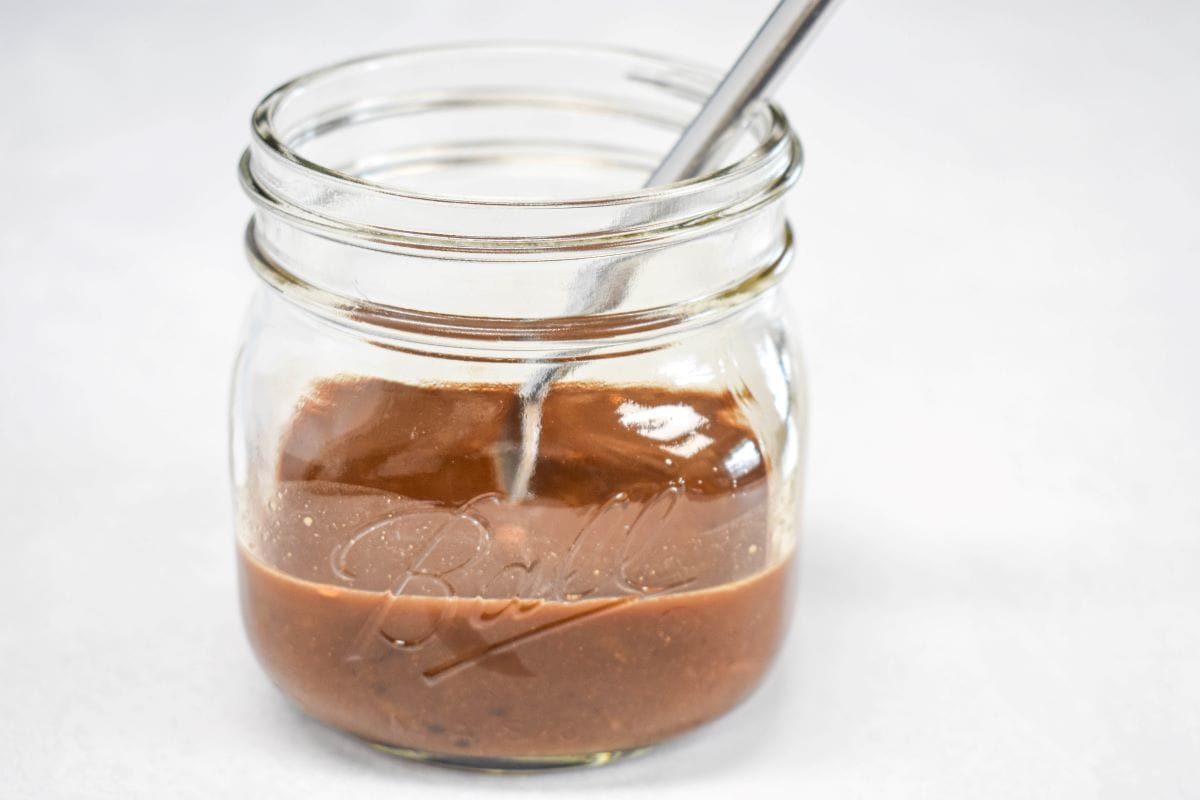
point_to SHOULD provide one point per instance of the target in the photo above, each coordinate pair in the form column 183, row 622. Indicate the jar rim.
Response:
column 272, row 166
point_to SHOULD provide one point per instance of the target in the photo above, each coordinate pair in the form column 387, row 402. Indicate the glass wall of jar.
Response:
column 439, row 233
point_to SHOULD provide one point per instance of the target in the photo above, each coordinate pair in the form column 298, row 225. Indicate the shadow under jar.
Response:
column 434, row 228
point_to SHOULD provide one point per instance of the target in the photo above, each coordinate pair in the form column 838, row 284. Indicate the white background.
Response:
column 999, row 292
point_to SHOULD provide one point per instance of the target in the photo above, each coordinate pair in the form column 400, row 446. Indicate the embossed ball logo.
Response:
column 485, row 567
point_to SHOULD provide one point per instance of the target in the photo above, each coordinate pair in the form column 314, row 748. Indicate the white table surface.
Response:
column 999, row 293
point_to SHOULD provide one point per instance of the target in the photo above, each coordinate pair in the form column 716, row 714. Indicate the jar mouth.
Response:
column 310, row 161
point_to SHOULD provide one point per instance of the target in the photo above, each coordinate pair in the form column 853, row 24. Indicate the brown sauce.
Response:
column 391, row 590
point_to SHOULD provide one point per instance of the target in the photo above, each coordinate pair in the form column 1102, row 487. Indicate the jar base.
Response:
column 509, row 764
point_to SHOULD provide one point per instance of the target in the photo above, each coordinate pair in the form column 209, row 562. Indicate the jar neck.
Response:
column 353, row 169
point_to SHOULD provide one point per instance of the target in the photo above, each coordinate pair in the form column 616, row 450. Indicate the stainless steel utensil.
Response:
column 764, row 62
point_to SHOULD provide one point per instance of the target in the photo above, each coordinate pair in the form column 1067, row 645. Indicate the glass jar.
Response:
column 458, row 269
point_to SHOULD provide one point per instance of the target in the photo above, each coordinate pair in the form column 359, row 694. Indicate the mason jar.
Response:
column 516, row 443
